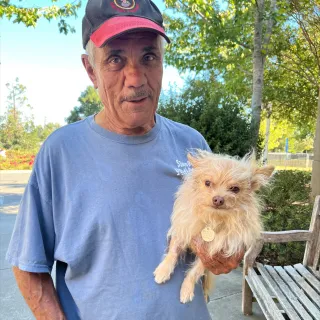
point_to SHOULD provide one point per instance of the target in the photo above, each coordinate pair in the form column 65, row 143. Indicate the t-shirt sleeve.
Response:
column 32, row 243
column 203, row 142
column 205, row 145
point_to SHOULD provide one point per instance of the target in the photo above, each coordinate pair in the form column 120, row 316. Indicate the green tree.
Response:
column 230, row 41
column 12, row 126
column 219, row 118
column 44, row 131
column 29, row 15
column 17, row 128
column 295, row 80
column 89, row 104
column 225, row 38
column 307, row 15
column 299, row 140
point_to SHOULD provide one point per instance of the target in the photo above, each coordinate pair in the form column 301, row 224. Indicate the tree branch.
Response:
column 197, row 11
column 270, row 23
column 300, row 74
column 297, row 16
column 299, row 64
column 311, row 44
column 244, row 45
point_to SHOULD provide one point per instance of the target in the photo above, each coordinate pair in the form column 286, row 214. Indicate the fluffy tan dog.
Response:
column 217, row 200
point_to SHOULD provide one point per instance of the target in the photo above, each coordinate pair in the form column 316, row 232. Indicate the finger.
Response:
column 198, row 243
column 240, row 255
column 234, row 259
column 194, row 243
column 218, row 269
column 229, row 263
column 221, row 258
column 213, row 264
column 225, row 271
column 221, row 267
column 232, row 263
column 200, row 248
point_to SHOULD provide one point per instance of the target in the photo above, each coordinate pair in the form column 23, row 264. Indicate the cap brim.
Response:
column 119, row 25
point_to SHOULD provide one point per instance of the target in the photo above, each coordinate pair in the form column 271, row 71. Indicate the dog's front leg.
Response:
column 193, row 275
column 166, row 267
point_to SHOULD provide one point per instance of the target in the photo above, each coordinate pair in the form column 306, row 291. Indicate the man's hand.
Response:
column 218, row 263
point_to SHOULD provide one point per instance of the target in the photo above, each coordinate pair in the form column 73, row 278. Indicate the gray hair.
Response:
column 90, row 48
column 90, row 52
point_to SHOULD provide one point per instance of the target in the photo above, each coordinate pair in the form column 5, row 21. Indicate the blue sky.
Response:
column 48, row 64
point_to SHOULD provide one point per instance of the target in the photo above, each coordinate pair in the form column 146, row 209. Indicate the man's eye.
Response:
column 115, row 60
column 149, row 57
column 234, row 189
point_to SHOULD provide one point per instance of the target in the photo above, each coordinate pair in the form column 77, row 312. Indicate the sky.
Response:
column 48, row 63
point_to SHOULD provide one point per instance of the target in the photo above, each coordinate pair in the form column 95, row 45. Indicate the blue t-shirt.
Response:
column 99, row 204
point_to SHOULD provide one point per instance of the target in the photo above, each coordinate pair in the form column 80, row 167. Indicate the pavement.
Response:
column 225, row 300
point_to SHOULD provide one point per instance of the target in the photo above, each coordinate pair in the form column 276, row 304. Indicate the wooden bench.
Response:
column 290, row 292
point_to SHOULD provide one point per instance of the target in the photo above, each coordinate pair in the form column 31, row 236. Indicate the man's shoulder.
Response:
column 181, row 130
column 63, row 142
column 68, row 133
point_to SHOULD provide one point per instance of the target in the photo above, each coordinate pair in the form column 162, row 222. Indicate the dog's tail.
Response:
column 208, row 284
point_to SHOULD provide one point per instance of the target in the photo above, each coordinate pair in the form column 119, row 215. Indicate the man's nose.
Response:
column 135, row 76
column 218, row 201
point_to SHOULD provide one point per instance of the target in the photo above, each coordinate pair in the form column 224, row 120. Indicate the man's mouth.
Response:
column 137, row 100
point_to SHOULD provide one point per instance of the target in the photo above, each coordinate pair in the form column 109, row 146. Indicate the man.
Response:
column 100, row 196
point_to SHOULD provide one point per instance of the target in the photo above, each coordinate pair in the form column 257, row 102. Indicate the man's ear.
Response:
column 261, row 176
column 89, row 69
column 193, row 160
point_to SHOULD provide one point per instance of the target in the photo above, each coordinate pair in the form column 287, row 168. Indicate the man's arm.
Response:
column 39, row 292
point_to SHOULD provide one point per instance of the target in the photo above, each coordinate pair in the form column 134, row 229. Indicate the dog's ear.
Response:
column 193, row 160
column 261, row 176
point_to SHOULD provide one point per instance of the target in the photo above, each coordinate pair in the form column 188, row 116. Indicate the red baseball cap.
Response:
column 107, row 19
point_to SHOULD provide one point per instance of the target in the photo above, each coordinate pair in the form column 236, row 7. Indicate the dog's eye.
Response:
column 234, row 189
column 208, row 183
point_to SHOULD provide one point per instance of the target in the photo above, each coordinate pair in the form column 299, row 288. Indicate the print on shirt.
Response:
column 183, row 168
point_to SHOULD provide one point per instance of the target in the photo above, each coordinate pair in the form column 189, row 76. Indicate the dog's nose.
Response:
column 218, row 201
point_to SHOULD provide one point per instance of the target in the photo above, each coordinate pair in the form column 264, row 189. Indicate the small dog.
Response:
column 217, row 200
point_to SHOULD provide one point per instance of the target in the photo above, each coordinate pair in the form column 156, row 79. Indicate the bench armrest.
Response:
column 273, row 237
column 286, row 236
column 251, row 255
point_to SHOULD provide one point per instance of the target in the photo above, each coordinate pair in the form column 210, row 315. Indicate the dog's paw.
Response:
column 186, row 292
column 162, row 273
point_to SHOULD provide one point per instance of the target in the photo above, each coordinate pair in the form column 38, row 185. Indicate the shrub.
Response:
column 220, row 118
column 17, row 160
column 287, row 207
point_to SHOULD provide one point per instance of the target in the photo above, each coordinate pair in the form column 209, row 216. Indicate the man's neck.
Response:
column 103, row 121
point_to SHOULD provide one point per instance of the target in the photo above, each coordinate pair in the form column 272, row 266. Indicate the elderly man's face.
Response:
column 128, row 74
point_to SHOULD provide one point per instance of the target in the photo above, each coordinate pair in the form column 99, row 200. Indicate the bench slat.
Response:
column 303, row 284
column 279, row 294
column 275, row 313
column 312, row 309
column 259, row 299
column 313, row 281
column 288, row 293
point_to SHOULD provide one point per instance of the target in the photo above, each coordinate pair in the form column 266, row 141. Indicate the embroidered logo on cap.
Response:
column 125, row 4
